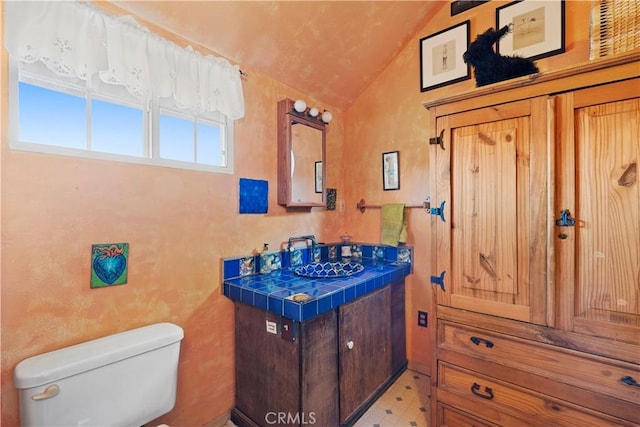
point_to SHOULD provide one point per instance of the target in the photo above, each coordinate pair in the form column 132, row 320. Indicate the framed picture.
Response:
column 441, row 57
column 391, row 170
column 536, row 28
column 459, row 6
column 318, row 176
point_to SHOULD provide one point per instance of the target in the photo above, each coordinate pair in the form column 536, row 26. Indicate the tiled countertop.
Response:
column 270, row 291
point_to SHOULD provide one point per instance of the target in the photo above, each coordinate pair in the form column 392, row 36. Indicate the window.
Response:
column 208, row 138
column 87, row 83
column 62, row 117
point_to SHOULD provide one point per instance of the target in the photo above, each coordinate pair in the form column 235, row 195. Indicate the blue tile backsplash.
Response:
column 274, row 291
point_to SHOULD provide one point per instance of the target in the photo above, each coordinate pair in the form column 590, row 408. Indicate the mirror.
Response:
column 301, row 160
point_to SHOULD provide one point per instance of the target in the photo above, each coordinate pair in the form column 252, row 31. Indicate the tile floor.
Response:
column 404, row 404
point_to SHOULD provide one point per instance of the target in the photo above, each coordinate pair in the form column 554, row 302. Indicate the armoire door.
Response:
column 598, row 258
column 492, row 176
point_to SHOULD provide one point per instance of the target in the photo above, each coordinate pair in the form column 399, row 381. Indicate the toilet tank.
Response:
column 125, row 379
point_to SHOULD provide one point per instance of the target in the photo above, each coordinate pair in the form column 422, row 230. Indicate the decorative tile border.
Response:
column 254, row 264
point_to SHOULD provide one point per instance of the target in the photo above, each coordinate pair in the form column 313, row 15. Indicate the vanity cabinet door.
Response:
column 283, row 382
column 492, row 176
column 364, row 349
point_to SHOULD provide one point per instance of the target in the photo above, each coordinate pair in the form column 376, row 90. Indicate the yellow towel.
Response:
column 394, row 224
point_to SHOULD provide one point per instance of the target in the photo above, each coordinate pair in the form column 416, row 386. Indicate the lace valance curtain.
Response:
column 80, row 42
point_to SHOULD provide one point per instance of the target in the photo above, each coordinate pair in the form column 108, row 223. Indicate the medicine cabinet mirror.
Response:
column 301, row 158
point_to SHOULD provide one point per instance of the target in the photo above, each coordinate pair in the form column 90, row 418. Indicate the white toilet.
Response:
column 125, row 379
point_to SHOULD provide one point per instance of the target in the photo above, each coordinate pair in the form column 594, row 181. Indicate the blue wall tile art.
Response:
column 254, row 196
column 109, row 263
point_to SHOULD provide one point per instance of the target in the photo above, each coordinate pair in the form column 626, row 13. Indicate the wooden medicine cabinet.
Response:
column 301, row 158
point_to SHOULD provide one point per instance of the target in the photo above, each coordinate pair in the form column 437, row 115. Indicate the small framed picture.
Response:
column 391, row 171
column 536, row 28
column 441, row 57
column 318, row 176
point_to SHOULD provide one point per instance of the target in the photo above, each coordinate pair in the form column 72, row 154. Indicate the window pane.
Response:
column 116, row 129
column 51, row 118
column 209, row 145
column 176, row 139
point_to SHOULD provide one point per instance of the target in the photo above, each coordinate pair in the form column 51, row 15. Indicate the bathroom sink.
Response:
column 328, row 269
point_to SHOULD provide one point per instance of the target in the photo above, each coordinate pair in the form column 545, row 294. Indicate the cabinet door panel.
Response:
column 608, row 208
column 493, row 246
column 485, row 236
column 603, row 292
column 364, row 349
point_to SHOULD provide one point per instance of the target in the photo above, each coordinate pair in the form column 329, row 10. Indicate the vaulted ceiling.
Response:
column 331, row 50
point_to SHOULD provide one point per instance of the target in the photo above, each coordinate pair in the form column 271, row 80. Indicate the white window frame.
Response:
column 151, row 114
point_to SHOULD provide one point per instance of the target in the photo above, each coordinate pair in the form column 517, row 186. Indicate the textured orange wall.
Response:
column 390, row 116
column 179, row 224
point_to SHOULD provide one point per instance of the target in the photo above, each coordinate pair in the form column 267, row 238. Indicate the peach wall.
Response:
column 178, row 223
column 390, row 116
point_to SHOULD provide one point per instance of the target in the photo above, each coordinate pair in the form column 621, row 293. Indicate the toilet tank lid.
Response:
column 65, row 362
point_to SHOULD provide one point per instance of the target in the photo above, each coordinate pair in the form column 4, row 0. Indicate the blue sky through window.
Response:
column 59, row 119
column 116, row 129
column 52, row 118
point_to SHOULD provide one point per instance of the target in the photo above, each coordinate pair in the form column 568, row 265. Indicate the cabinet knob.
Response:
column 350, row 344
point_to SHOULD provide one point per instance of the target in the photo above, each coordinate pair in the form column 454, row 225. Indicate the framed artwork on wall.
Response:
column 441, row 57
column 536, row 28
column 109, row 264
column 459, row 6
column 391, row 170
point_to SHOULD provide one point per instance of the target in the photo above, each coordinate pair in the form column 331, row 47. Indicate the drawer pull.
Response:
column 628, row 380
column 488, row 393
column 477, row 341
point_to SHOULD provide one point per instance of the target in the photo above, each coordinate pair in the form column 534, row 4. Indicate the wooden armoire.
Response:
column 536, row 257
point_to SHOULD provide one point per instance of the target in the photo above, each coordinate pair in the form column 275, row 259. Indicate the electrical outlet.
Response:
column 423, row 318
column 288, row 332
column 272, row 327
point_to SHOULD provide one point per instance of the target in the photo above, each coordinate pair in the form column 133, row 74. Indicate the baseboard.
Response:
column 420, row 368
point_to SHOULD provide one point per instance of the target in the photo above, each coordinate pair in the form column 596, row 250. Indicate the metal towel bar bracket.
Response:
column 362, row 205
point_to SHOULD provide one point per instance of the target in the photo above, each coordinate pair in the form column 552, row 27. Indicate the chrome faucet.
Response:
column 311, row 237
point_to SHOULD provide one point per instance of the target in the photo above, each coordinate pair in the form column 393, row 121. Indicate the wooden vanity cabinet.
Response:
column 538, row 315
column 338, row 363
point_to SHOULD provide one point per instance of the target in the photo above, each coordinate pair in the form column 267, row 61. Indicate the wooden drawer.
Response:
column 598, row 374
column 506, row 404
column 450, row 417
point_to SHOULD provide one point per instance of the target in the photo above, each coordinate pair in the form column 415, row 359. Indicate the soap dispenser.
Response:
column 345, row 250
column 265, row 260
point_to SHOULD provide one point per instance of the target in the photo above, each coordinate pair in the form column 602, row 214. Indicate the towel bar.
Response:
column 362, row 206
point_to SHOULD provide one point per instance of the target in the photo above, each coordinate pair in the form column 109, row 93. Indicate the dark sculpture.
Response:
column 491, row 67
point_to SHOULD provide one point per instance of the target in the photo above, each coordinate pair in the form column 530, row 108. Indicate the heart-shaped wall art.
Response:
column 109, row 264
